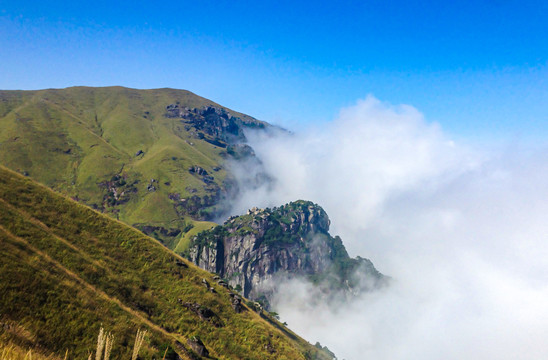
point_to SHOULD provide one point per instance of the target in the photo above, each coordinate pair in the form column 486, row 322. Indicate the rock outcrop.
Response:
column 213, row 124
column 221, row 128
column 198, row 346
column 252, row 252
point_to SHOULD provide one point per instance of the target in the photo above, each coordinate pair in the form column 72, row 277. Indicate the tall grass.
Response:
column 100, row 344
column 13, row 352
column 104, row 345
column 105, row 341
column 138, row 343
column 108, row 345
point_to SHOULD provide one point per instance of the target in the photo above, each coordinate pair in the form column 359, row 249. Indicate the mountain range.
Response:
column 126, row 163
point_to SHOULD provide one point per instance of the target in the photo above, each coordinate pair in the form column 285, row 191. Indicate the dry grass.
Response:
column 105, row 341
column 100, row 344
column 104, row 345
column 108, row 345
column 12, row 352
column 139, row 338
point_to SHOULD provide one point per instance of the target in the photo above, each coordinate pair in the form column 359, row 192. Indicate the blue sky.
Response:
column 480, row 69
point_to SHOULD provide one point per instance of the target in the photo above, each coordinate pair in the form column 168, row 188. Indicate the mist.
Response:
column 460, row 228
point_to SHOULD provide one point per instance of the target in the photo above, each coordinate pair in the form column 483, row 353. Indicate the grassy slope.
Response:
column 185, row 239
column 67, row 270
column 73, row 139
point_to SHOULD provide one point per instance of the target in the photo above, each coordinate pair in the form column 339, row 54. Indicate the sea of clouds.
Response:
column 461, row 229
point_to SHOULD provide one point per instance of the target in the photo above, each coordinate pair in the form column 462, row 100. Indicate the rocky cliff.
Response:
column 213, row 124
column 254, row 251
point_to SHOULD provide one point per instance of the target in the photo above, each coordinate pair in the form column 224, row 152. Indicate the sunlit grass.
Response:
column 68, row 271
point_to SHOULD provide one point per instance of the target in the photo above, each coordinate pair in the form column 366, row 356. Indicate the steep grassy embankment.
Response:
column 124, row 151
column 67, row 270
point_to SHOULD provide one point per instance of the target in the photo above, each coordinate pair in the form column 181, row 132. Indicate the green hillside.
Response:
column 68, row 270
column 150, row 158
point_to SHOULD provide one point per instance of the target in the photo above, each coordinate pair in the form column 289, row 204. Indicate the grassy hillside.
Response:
column 68, row 270
column 123, row 151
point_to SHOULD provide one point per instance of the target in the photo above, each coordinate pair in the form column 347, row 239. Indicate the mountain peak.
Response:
column 292, row 240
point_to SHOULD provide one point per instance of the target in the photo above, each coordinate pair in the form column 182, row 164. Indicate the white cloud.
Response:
column 463, row 231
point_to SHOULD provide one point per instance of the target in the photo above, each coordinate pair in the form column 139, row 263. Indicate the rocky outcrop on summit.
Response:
column 254, row 250
column 213, row 124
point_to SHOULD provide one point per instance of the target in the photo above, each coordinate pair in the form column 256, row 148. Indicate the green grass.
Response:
column 185, row 239
column 68, row 270
column 73, row 139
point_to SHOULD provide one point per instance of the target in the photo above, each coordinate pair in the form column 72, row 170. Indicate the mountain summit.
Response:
column 151, row 158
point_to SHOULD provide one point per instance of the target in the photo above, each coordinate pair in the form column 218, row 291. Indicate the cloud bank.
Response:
column 462, row 230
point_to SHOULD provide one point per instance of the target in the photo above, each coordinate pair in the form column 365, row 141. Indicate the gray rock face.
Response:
column 215, row 124
column 256, row 250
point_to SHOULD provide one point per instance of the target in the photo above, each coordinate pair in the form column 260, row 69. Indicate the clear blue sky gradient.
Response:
column 479, row 68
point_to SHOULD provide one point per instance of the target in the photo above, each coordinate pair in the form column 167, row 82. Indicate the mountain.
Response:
column 157, row 160
column 153, row 159
column 255, row 251
column 68, row 270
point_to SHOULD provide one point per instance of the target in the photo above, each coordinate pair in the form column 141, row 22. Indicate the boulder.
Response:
column 197, row 346
column 236, row 303
column 203, row 312
column 206, row 284
column 197, row 170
